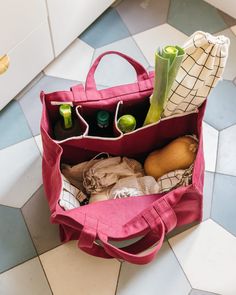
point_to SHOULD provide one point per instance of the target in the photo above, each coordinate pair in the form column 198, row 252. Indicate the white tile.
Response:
column 71, row 271
column 38, row 140
column 20, row 172
column 230, row 69
column 73, row 63
column 207, row 254
column 152, row 279
column 210, row 142
column 160, row 36
column 226, row 162
column 25, row 279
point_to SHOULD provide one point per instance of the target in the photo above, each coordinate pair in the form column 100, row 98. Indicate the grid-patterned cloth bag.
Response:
column 98, row 226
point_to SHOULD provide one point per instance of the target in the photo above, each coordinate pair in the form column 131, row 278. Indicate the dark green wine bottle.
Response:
column 67, row 126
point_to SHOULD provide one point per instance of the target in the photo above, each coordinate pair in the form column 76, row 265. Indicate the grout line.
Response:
column 225, row 229
column 37, row 254
column 45, row 274
column 131, row 36
column 180, row 265
column 118, row 278
column 29, row 86
column 217, row 155
column 168, row 13
column 18, row 264
column 50, row 29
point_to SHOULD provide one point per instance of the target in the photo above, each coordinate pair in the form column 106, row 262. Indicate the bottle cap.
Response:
column 103, row 119
column 65, row 111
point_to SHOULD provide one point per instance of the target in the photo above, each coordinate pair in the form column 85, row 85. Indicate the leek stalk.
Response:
column 167, row 64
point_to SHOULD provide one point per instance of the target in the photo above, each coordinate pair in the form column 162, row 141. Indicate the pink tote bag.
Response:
column 146, row 219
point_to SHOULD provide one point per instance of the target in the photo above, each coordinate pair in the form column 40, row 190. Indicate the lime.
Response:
column 126, row 123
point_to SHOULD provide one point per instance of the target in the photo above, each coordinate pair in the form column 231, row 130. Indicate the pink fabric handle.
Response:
column 90, row 84
column 160, row 218
column 130, row 257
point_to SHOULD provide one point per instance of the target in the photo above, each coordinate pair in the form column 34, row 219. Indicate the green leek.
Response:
column 167, row 64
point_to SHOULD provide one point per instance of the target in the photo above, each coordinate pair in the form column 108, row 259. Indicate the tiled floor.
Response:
column 198, row 261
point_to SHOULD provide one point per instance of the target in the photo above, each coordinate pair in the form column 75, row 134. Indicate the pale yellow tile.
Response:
column 71, row 271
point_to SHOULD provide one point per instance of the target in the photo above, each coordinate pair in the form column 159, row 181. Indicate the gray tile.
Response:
column 142, row 15
column 106, row 29
column 31, row 104
column 154, row 278
column 201, row 292
column 203, row 16
column 224, row 202
column 13, row 125
column 37, row 216
column 25, row 279
column 207, row 194
column 15, row 245
column 221, row 105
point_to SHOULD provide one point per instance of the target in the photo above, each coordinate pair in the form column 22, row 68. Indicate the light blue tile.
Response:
column 15, row 244
column 207, row 194
column 31, row 104
column 152, row 13
column 106, row 29
column 224, row 202
column 221, row 105
column 13, row 125
column 162, row 276
column 114, row 70
column 195, row 15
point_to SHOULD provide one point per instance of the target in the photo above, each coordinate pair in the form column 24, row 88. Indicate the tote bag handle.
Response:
column 157, row 219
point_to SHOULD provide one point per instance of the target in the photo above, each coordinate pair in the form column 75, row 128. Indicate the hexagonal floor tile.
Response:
column 207, row 254
column 233, row 29
column 204, row 17
column 38, row 140
column 151, row 12
column 31, row 104
column 160, row 36
column 152, row 279
column 230, row 69
column 25, row 279
column 22, row 162
column 17, row 129
column 16, row 245
column 207, row 194
column 37, row 217
column 224, row 202
column 210, row 142
column 69, row 269
column 229, row 20
column 73, row 63
column 110, row 23
column 114, row 70
column 201, row 292
column 221, row 106
column 226, row 162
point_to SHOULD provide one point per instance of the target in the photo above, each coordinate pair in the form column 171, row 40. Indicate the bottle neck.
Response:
column 66, row 113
